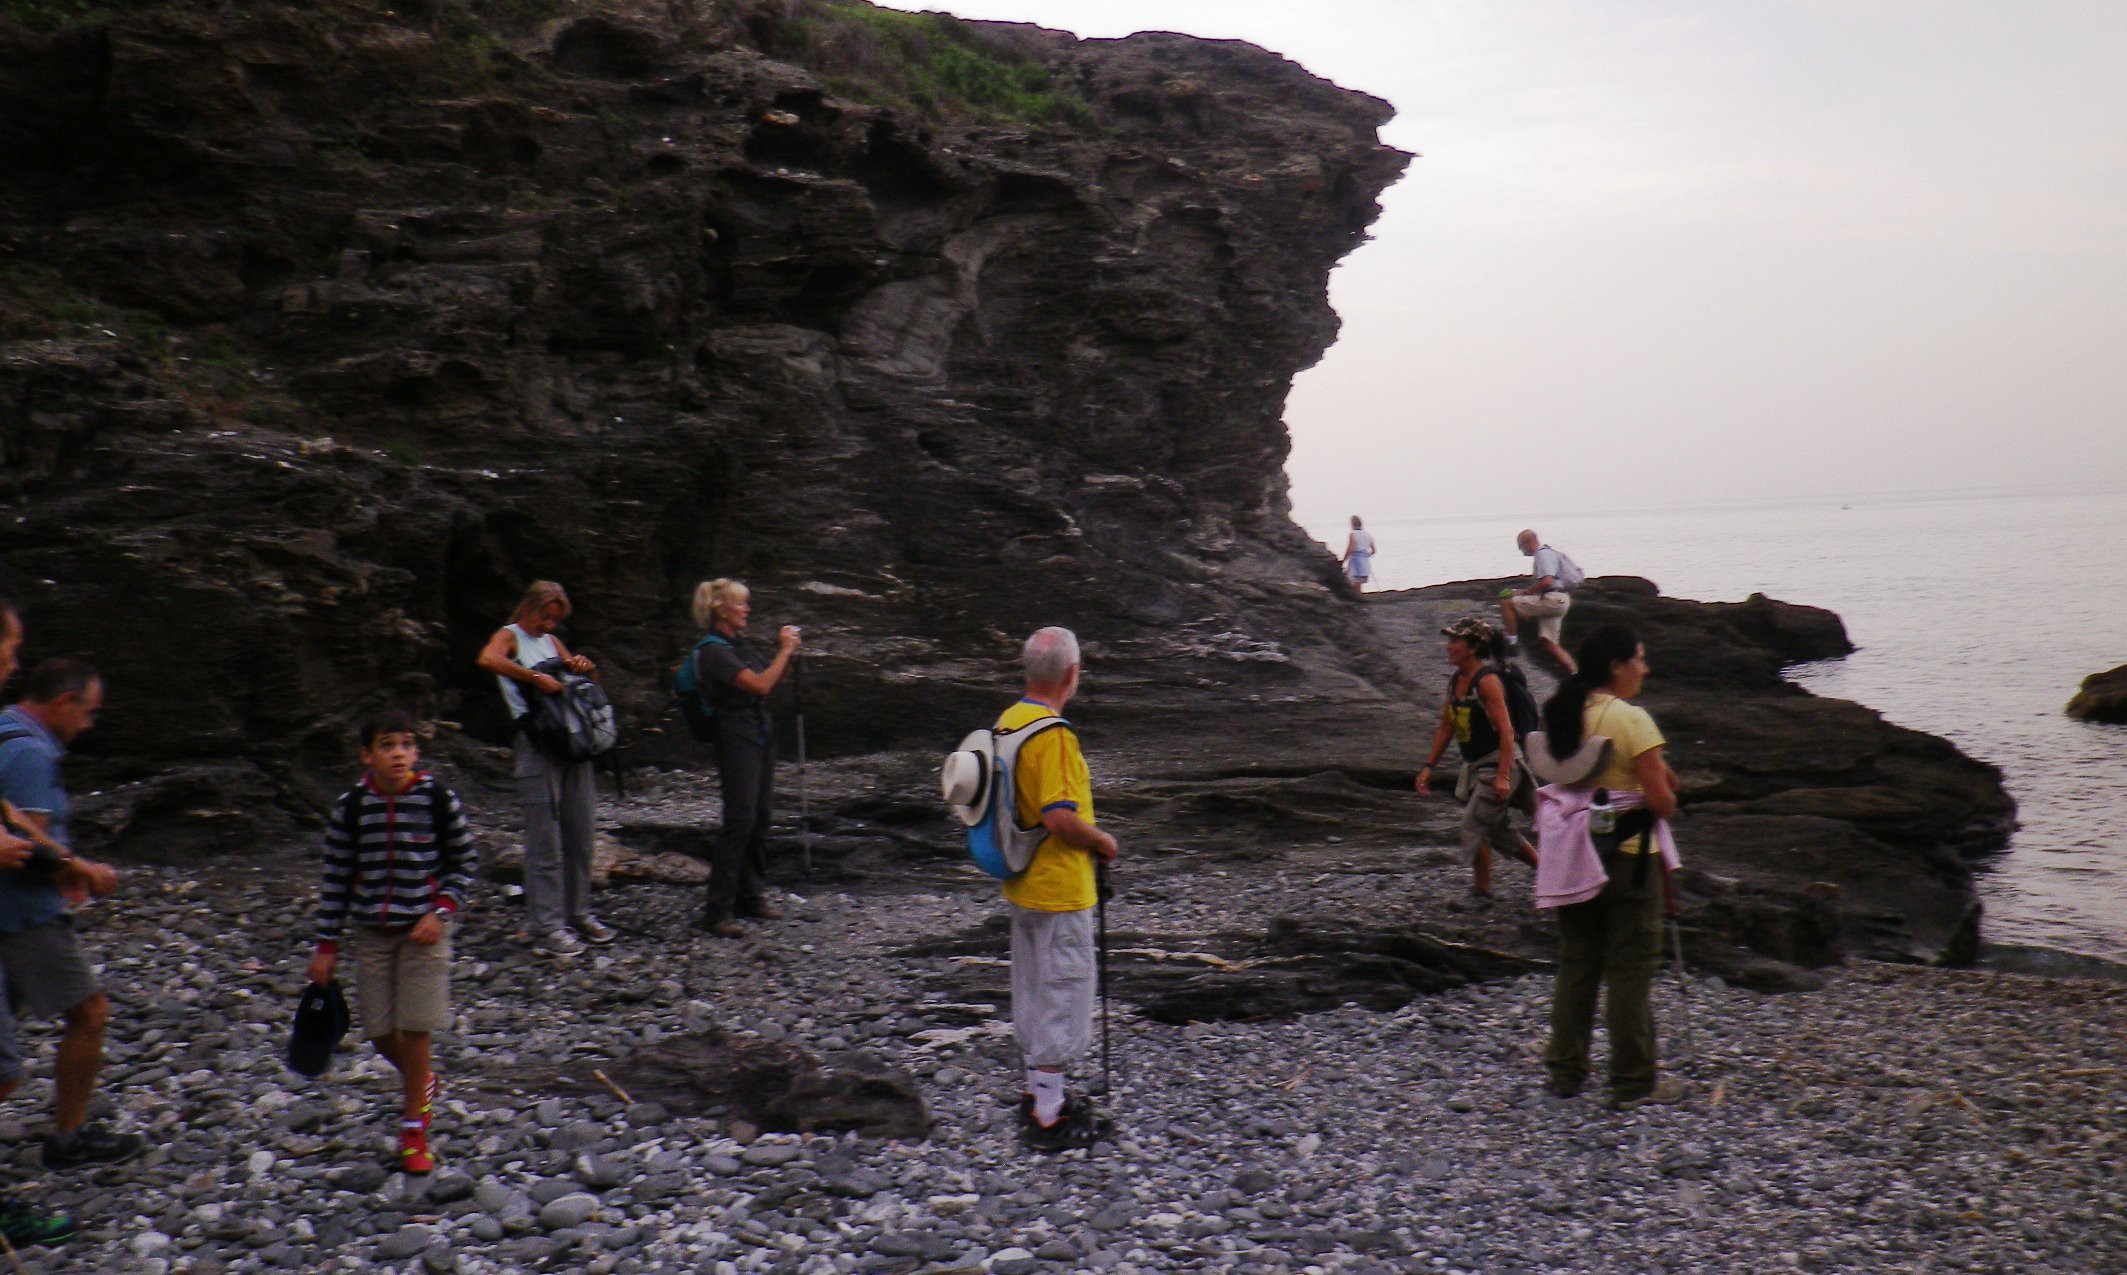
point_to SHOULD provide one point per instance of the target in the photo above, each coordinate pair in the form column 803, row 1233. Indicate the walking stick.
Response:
column 1676, row 951
column 804, row 789
column 1101, row 892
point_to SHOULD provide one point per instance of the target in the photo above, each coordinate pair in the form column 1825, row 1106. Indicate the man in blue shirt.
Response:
column 48, row 973
column 1545, row 599
column 21, row 1223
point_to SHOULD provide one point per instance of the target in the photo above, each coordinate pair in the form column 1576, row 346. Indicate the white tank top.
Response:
column 530, row 651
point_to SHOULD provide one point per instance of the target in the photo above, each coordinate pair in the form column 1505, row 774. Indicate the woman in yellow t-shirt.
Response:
column 1615, row 938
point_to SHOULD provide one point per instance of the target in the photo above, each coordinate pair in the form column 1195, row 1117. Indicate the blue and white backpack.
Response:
column 979, row 780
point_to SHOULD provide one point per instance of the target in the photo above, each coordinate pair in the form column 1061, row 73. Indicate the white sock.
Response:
column 1048, row 1090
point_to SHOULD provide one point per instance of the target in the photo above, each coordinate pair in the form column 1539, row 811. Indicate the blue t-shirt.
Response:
column 29, row 777
column 1545, row 564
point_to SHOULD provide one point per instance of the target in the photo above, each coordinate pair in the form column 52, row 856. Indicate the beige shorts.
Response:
column 1547, row 609
column 400, row 985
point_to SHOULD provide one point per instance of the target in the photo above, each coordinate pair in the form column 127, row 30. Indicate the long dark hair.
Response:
column 1599, row 655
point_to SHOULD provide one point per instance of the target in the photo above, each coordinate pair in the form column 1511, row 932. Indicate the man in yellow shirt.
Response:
column 1054, row 975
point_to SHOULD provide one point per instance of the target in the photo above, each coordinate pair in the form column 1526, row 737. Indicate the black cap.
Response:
column 321, row 1019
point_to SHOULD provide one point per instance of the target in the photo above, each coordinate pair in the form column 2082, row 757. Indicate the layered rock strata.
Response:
column 327, row 328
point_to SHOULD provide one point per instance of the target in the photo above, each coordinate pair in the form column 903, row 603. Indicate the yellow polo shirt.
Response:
column 1631, row 732
column 1050, row 774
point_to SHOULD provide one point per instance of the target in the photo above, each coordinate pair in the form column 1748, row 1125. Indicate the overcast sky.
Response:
column 1671, row 254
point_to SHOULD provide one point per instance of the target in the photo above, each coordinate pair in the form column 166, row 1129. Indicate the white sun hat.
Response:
column 1584, row 764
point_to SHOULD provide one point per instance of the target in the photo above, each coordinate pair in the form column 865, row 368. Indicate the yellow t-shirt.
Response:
column 1630, row 732
column 1050, row 773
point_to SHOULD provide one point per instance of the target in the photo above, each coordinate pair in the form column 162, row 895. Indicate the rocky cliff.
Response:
column 324, row 327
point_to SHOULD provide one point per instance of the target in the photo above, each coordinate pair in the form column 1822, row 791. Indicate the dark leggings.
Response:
column 738, row 862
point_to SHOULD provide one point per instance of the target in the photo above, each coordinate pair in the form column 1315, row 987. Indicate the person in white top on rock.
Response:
column 1359, row 555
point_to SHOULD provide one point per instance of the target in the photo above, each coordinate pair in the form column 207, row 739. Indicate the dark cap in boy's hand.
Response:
column 321, row 1019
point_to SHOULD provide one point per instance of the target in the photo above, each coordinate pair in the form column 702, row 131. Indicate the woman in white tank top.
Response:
column 558, row 798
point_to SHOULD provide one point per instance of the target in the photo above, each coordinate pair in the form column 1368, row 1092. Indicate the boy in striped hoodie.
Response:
column 398, row 864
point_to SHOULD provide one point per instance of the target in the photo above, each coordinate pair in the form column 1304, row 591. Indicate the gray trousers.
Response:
column 558, row 800
column 1054, row 984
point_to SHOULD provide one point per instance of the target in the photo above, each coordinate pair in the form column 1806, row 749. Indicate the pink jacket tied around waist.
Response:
column 1569, row 870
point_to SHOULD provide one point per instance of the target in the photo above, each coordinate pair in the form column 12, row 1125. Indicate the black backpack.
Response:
column 1522, row 713
column 575, row 724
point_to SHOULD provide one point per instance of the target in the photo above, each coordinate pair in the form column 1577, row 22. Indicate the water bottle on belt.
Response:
column 1602, row 816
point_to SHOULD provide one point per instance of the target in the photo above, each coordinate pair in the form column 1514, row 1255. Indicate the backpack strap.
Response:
column 351, row 819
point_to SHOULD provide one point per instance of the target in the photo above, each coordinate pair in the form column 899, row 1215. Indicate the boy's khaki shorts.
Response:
column 401, row 986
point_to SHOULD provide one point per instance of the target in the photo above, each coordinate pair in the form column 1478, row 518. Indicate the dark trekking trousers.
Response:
column 1613, row 940
column 738, row 862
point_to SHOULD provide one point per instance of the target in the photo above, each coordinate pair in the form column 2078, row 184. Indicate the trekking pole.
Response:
column 1683, row 979
column 804, row 789
column 1100, row 914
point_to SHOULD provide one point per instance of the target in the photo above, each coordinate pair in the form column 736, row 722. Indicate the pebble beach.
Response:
column 1901, row 1119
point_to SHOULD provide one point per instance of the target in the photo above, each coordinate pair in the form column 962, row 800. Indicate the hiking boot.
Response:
column 1076, row 1127
column 414, row 1155
column 1666, row 1091
column 23, row 1226
column 761, row 910
column 558, row 943
column 1563, row 1088
column 723, row 929
column 92, row 1143
column 592, row 930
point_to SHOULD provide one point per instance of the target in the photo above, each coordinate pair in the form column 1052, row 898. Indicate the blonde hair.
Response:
column 711, row 594
column 538, row 596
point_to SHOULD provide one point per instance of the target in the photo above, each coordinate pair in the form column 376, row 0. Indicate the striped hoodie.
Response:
column 411, row 855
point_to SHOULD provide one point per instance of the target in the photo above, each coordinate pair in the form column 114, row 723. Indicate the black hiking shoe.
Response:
column 1076, row 1127
column 24, row 1226
column 92, row 1143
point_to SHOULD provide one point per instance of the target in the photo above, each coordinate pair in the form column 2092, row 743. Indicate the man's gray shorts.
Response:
column 47, row 972
column 1054, row 984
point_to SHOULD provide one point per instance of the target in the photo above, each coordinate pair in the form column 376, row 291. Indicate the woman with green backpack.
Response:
column 731, row 677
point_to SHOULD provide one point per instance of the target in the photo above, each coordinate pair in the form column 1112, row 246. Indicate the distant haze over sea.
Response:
column 1977, row 615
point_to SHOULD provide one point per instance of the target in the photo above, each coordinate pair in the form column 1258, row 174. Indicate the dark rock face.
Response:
column 776, row 1086
column 2103, row 697
column 324, row 330
column 321, row 334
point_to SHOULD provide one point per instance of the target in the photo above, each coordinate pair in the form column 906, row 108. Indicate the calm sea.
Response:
column 1976, row 617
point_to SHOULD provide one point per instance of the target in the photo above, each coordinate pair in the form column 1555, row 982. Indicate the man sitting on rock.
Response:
column 48, row 973
column 1544, row 599
column 1052, row 903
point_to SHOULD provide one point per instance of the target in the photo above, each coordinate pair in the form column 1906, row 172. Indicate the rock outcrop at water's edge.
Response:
column 2102, row 697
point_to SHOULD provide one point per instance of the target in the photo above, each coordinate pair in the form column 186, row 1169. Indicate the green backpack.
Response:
column 691, row 697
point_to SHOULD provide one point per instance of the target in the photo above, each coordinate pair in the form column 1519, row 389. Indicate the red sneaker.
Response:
column 413, row 1150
